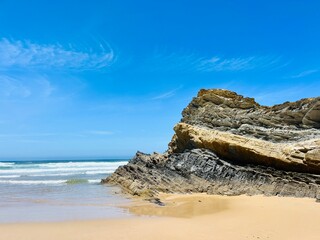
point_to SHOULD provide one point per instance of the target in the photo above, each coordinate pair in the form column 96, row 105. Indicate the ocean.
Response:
column 58, row 190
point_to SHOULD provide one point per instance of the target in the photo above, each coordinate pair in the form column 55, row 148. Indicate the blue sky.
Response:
column 107, row 78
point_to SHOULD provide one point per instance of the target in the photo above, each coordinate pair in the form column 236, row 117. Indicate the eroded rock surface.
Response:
column 301, row 156
column 227, row 111
column 200, row 170
column 229, row 144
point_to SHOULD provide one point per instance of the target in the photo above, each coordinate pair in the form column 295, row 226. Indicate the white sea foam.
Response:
column 31, row 172
column 10, row 176
column 6, row 164
column 33, row 182
column 53, row 174
column 56, row 187
column 99, row 172
column 47, row 182
column 43, row 170
column 71, row 173
column 94, row 180
column 81, row 164
column 26, row 171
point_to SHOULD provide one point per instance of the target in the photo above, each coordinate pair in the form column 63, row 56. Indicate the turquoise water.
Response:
column 58, row 190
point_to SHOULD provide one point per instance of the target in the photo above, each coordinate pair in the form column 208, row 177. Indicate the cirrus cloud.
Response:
column 164, row 61
column 26, row 54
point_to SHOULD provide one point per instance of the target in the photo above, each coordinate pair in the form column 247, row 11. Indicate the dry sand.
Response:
column 190, row 217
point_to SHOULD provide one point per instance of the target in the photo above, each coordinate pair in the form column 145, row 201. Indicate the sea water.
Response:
column 58, row 191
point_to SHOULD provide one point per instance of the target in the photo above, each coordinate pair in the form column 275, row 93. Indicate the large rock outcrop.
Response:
column 228, row 144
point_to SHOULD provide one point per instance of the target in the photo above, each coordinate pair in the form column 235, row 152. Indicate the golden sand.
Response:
column 187, row 217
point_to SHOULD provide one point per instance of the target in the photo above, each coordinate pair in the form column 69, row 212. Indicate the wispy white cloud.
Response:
column 193, row 62
column 11, row 87
column 17, row 88
column 166, row 95
column 26, row 54
column 218, row 64
column 305, row 73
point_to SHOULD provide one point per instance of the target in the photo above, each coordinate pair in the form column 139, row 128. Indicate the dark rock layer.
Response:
column 200, row 170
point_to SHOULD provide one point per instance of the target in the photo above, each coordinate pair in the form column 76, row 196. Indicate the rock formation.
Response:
column 228, row 144
column 302, row 156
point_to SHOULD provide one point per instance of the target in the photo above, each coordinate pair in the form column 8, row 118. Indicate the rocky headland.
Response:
column 229, row 144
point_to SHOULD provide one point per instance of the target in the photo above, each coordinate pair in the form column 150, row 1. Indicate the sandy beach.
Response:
column 186, row 217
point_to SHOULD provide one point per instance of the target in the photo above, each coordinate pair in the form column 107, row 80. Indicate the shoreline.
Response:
column 192, row 216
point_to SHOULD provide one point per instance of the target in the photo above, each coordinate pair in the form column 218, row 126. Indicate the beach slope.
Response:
column 189, row 217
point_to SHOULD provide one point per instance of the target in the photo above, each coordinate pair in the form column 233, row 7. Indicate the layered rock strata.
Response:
column 229, row 112
column 229, row 144
column 301, row 156
column 200, row 170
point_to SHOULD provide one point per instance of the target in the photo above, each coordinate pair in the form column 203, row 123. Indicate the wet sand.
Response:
column 187, row 217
